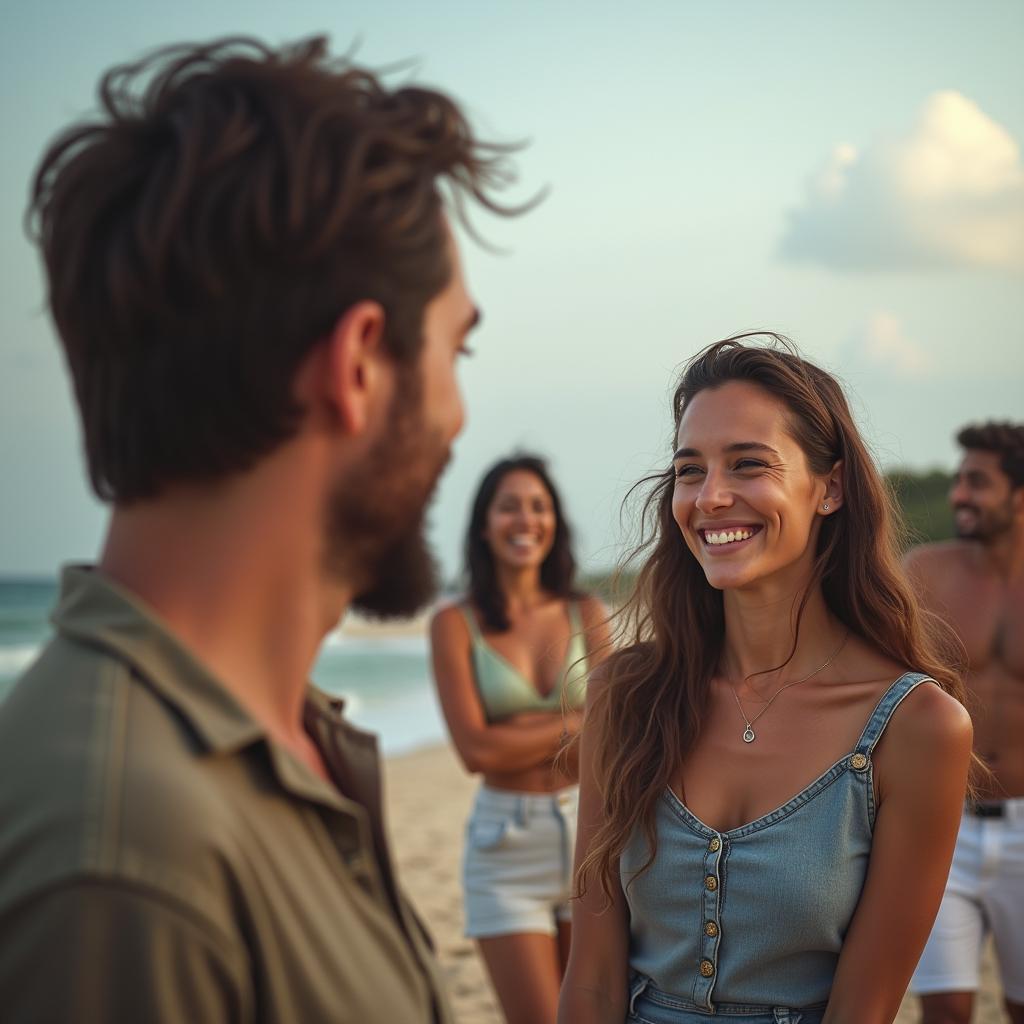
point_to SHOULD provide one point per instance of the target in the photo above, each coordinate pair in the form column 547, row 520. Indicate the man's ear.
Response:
column 354, row 374
column 1017, row 500
column 834, row 495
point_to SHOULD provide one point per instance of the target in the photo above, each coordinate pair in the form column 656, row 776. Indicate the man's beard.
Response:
column 376, row 518
column 986, row 526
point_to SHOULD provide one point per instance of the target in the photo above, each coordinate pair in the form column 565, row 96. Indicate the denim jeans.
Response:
column 649, row 1006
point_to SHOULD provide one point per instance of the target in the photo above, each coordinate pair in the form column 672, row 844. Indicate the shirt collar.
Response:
column 94, row 610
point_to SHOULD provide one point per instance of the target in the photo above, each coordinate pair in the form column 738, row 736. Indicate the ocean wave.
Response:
column 402, row 645
column 401, row 708
column 15, row 658
column 353, row 702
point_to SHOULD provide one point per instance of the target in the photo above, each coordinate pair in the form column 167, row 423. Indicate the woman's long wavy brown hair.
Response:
column 647, row 716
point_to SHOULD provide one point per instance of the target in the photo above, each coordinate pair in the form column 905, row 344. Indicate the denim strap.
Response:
column 890, row 701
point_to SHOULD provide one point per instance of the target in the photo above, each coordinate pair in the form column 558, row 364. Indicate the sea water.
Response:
column 385, row 680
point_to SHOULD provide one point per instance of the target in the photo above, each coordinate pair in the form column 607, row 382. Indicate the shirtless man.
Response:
column 976, row 583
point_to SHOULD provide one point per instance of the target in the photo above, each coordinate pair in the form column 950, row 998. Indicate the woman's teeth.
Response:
column 726, row 536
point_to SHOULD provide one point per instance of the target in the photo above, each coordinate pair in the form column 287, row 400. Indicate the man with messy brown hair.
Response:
column 976, row 583
column 261, row 304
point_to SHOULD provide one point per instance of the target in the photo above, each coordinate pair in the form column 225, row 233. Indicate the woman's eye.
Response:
column 749, row 464
column 688, row 470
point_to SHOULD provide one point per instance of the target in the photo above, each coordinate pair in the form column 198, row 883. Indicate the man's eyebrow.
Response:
column 739, row 446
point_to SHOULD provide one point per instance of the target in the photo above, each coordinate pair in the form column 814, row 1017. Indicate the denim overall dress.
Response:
column 749, row 923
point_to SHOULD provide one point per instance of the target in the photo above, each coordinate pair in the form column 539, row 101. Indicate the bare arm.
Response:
column 515, row 744
column 596, row 981
column 922, row 767
column 596, row 623
column 597, row 630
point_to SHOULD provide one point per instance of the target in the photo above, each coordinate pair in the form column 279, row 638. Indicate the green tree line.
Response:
column 924, row 500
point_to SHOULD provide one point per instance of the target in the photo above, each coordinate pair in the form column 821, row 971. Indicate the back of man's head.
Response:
column 209, row 228
column 1004, row 439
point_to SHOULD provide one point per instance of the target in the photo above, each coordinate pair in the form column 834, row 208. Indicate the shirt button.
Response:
column 715, row 845
column 711, row 883
column 858, row 762
column 707, row 968
column 710, row 928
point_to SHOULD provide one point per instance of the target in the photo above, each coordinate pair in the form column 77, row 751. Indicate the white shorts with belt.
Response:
column 517, row 871
column 984, row 895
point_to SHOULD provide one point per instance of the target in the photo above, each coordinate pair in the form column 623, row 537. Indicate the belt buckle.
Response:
column 987, row 808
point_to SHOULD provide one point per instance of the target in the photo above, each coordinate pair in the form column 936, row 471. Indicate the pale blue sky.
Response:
column 698, row 187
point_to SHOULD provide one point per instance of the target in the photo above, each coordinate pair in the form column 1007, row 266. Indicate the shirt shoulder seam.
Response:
column 147, row 891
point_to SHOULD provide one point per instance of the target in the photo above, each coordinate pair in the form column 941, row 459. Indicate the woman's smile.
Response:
column 725, row 538
column 521, row 520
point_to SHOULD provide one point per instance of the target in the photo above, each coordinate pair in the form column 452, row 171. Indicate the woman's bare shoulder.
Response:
column 929, row 723
column 928, row 718
column 449, row 617
column 926, row 748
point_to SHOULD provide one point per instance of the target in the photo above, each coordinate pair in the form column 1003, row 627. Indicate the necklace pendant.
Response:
column 748, row 735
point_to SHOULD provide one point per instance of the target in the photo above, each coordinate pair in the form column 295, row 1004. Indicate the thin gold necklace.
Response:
column 748, row 733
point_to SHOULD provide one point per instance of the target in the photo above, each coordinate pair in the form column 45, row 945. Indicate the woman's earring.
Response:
column 824, row 508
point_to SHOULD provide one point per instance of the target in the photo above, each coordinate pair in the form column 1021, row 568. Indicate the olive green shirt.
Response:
column 162, row 860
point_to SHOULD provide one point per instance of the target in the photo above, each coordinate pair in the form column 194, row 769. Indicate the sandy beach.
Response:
column 428, row 797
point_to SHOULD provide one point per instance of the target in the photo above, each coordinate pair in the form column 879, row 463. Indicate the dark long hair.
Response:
column 557, row 570
column 647, row 718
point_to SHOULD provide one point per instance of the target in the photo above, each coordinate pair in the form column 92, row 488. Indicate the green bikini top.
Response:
column 505, row 691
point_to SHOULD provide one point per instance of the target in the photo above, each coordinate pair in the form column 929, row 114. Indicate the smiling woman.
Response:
column 746, row 507
column 752, row 872
column 510, row 662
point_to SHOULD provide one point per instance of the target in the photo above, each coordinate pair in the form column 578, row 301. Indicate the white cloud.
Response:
column 881, row 343
column 950, row 193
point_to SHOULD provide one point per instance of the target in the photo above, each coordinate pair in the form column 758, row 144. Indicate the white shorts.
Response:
column 984, row 894
column 517, row 871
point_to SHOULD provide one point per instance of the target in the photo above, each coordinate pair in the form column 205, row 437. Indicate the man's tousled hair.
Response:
column 211, row 225
column 1004, row 439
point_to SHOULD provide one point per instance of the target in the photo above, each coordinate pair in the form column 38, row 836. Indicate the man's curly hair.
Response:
column 1005, row 439
column 211, row 224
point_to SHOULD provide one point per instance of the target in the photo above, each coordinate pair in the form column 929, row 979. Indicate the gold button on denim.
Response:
column 715, row 845
column 858, row 762
column 707, row 968
column 710, row 928
column 711, row 883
